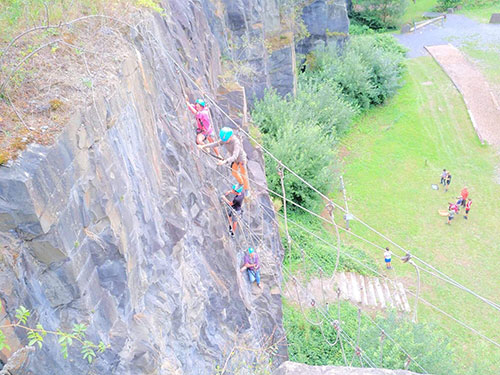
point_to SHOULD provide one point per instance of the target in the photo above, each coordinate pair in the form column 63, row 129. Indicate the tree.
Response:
column 379, row 14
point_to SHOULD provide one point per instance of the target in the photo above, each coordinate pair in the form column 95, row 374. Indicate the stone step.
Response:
column 395, row 295
column 362, row 287
column 354, row 288
column 342, row 284
column 387, row 295
column 372, row 298
column 404, row 299
column 380, row 293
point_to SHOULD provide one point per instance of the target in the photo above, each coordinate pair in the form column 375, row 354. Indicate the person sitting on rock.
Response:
column 252, row 266
column 237, row 158
column 235, row 204
column 204, row 130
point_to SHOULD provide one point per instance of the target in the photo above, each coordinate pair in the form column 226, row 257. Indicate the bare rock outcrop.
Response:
column 294, row 368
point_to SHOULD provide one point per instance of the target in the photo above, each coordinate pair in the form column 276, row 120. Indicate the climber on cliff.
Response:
column 204, row 130
column 235, row 205
column 237, row 158
column 252, row 265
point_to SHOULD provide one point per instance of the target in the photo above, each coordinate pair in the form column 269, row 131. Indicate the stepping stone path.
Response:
column 365, row 291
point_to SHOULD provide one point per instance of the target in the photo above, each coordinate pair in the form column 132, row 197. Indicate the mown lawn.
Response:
column 391, row 157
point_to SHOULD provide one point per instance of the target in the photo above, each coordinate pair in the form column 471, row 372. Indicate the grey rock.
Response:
column 293, row 368
column 327, row 23
column 120, row 227
column 495, row 18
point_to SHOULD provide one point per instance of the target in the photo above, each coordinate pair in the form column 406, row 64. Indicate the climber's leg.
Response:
column 244, row 173
column 216, row 150
column 257, row 277
column 236, row 174
column 251, row 275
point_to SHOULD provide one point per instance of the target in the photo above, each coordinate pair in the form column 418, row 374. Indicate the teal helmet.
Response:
column 200, row 102
column 238, row 188
column 225, row 133
column 250, row 250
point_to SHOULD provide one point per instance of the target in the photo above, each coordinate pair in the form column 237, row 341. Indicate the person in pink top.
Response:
column 204, row 129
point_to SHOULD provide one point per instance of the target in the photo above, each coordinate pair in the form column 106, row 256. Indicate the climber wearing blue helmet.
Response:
column 235, row 205
column 252, row 265
column 237, row 157
column 204, row 130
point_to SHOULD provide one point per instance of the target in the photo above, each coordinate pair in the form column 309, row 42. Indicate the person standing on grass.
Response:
column 252, row 265
column 448, row 182
column 452, row 211
column 388, row 257
column 465, row 194
column 467, row 208
column 443, row 177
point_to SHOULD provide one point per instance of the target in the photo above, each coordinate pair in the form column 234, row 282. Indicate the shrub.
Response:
column 306, row 151
column 427, row 345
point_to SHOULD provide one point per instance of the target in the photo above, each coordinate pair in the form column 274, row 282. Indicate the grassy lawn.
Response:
column 391, row 158
column 481, row 13
column 416, row 9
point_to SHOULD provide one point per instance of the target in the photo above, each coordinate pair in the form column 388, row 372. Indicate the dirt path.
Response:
column 478, row 96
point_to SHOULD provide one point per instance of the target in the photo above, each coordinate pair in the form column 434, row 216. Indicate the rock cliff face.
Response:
column 119, row 224
column 326, row 22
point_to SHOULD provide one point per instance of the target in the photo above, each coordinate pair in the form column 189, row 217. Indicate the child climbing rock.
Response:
column 237, row 157
column 235, row 204
column 252, row 266
column 204, row 130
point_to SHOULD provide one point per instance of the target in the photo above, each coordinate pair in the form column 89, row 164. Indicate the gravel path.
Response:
column 456, row 30
column 478, row 96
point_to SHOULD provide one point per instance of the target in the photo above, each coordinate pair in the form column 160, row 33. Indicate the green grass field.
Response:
column 481, row 13
column 416, row 9
column 391, row 158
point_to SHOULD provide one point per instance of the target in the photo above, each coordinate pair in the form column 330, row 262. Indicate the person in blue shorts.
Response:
column 387, row 257
column 252, row 266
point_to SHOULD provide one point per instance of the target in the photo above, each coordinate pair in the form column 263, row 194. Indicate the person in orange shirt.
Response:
column 464, row 193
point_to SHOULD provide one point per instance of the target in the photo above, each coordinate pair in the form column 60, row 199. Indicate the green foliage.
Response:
column 426, row 344
column 319, row 252
column 3, row 344
column 445, row 4
column 22, row 314
column 88, row 351
column 37, row 335
column 302, row 131
column 378, row 14
column 368, row 73
column 358, row 28
column 305, row 150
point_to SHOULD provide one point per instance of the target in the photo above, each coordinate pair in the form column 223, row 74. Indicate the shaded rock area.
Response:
column 118, row 225
column 327, row 23
column 293, row 368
